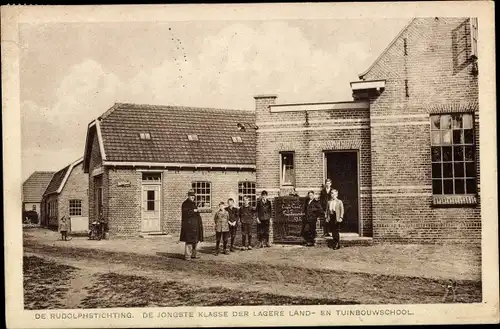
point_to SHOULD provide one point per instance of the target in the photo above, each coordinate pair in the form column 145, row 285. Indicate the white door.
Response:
column 150, row 208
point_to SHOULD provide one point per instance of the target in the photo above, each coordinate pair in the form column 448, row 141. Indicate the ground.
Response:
column 147, row 272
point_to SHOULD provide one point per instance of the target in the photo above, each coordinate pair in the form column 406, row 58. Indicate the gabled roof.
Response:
column 59, row 179
column 35, row 185
column 119, row 129
column 361, row 75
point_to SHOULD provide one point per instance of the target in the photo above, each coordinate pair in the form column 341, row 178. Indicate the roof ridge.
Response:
column 157, row 106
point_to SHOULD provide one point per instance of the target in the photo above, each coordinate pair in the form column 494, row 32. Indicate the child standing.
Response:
column 263, row 210
column 63, row 228
column 234, row 218
column 335, row 214
column 221, row 220
column 246, row 218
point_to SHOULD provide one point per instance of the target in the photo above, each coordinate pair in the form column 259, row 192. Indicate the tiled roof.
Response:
column 56, row 181
column 35, row 185
column 169, row 127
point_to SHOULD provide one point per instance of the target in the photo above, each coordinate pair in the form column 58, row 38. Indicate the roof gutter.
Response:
column 177, row 165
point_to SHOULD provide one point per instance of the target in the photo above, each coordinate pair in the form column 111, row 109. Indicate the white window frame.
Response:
column 73, row 207
column 282, row 169
column 243, row 191
column 198, row 186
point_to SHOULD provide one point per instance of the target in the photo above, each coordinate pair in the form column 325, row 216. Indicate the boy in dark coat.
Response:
column 246, row 218
column 191, row 226
column 263, row 210
column 234, row 218
column 324, row 197
column 312, row 210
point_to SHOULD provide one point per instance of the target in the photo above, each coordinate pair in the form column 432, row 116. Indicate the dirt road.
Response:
column 102, row 278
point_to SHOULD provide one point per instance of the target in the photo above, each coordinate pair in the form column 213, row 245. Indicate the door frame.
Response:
column 358, row 164
column 160, row 197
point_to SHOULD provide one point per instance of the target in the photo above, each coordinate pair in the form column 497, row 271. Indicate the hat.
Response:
column 191, row 192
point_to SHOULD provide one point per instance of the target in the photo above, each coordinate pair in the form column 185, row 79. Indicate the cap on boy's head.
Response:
column 263, row 193
column 230, row 199
column 328, row 180
column 191, row 193
column 221, row 203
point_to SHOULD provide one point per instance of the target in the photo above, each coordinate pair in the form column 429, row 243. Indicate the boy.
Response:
column 63, row 228
column 246, row 218
column 312, row 210
column 221, row 220
column 234, row 217
column 335, row 214
column 263, row 210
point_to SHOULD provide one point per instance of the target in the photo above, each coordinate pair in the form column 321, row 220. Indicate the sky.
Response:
column 70, row 73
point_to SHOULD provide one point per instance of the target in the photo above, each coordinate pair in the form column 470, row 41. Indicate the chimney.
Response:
column 262, row 103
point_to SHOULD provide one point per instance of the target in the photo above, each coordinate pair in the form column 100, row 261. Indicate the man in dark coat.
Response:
column 312, row 210
column 263, row 211
column 191, row 226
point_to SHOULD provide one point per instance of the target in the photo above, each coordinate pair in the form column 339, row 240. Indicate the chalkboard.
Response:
column 288, row 221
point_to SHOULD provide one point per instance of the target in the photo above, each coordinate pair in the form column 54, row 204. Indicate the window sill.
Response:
column 454, row 200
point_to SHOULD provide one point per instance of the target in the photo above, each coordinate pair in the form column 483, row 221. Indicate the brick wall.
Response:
column 351, row 131
column 439, row 79
column 125, row 201
column 75, row 188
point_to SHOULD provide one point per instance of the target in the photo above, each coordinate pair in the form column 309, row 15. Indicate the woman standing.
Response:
column 334, row 216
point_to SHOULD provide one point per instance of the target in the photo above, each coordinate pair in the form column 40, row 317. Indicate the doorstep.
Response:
column 346, row 239
column 152, row 235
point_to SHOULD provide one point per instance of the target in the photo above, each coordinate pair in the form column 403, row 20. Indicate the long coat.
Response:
column 191, row 225
column 263, row 210
column 312, row 210
column 324, row 196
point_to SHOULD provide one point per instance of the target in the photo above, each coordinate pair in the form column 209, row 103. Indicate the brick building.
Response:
column 66, row 195
column 404, row 154
column 142, row 160
column 33, row 189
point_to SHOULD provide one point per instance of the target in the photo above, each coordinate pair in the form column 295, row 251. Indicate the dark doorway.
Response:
column 342, row 169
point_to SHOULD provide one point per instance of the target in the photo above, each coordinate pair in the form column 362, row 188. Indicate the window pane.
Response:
column 468, row 136
column 459, row 186
column 435, row 122
column 435, row 138
column 470, row 170
column 467, row 121
column 448, row 186
column 436, row 154
column 447, row 153
column 446, row 134
column 458, row 136
column 471, row 186
column 469, row 156
column 458, row 169
column 436, row 170
column 447, row 170
column 457, row 121
column 151, row 205
column 151, row 195
column 445, row 121
column 458, row 153
column 437, row 186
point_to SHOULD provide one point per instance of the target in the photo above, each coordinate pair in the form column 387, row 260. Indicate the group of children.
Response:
column 228, row 218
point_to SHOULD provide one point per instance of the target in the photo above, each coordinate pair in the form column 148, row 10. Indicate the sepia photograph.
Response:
column 235, row 168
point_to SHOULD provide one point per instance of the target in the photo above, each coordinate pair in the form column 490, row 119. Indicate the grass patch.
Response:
column 45, row 283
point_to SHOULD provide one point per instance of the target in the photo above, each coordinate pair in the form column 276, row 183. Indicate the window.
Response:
column 452, row 152
column 203, row 191
column 237, row 139
column 247, row 189
column 52, row 209
column 151, row 176
column 473, row 36
column 193, row 138
column 145, row 136
column 150, row 201
column 287, row 168
column 75, row 207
